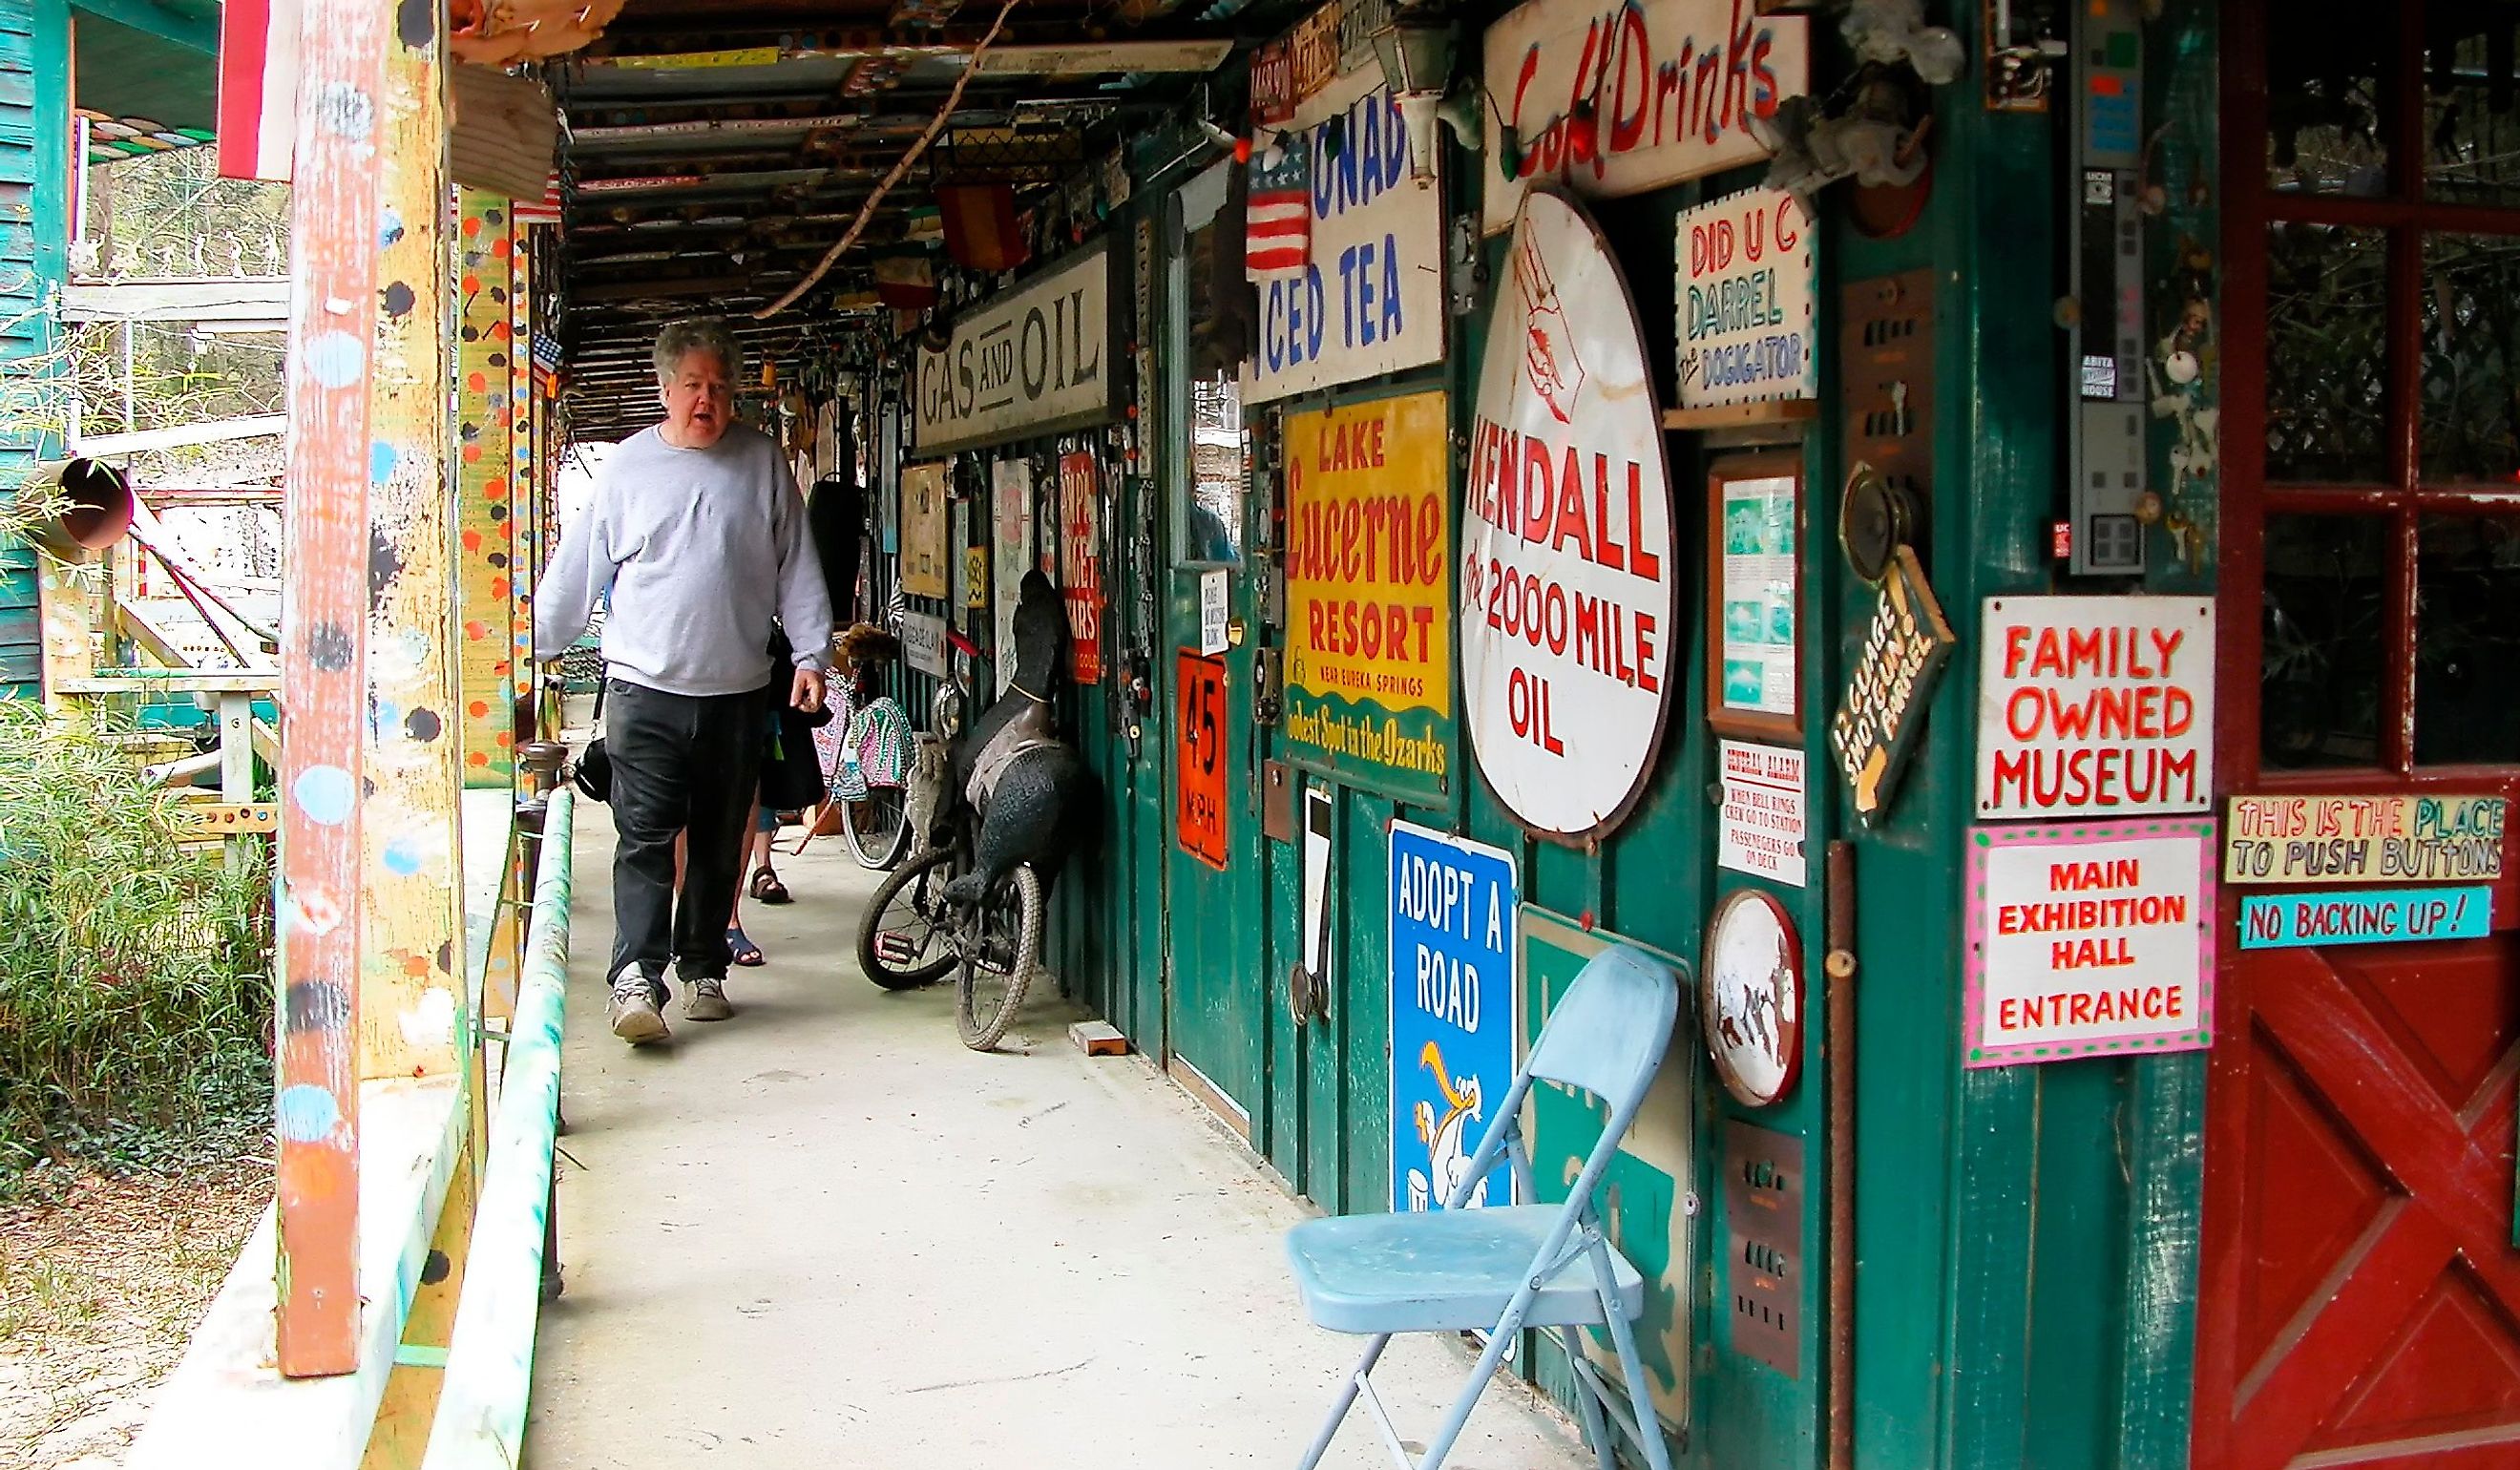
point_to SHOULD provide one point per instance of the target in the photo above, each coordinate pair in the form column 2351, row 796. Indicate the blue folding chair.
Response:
column 1503, row 1269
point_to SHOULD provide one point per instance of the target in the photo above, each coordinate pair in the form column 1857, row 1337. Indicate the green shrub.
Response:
column 135, row 990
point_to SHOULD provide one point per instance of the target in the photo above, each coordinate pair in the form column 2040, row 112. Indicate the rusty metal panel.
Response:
column 1763, row 1259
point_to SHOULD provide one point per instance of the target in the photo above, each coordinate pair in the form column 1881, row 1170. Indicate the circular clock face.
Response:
column 1868, row 523
column 1750, row 997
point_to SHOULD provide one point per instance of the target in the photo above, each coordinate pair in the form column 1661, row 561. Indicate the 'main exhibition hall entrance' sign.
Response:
column 1568, row 586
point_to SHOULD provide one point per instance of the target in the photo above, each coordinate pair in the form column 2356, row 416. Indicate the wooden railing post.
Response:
column 332, row 324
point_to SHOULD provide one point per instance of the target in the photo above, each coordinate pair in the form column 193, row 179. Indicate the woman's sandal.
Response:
column 768, row 889
column 742, row 950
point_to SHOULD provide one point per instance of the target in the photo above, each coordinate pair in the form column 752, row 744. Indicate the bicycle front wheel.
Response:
column 877, row 827
column 903, row 941
column 1001, row 949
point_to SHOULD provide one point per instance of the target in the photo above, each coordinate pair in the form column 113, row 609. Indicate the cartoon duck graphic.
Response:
column 1447, row 1138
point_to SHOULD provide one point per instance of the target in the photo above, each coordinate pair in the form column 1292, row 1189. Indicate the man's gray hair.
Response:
column 680, row 339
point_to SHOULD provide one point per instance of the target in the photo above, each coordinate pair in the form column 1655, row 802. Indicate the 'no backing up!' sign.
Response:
column 1569, row 579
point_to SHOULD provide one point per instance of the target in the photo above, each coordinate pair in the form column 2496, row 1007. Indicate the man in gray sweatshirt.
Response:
column 698, row 527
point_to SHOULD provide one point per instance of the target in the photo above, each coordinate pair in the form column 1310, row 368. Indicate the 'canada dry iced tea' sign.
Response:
column 1568, row 582
column 1369, row 593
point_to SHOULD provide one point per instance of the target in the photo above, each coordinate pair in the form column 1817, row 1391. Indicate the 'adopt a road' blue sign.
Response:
column 1452, row 1011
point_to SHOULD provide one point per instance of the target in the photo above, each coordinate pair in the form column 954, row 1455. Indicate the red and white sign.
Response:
column 1568, row 586
column 1766, row 815
column 1080, row 527
column 257, row 88
column 2096, row 706
column 2090, row 940
column 1616, row 100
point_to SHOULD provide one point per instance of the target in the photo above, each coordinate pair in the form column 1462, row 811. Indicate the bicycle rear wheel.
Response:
column 877, row 827
column 903, row 941
column 1000, row 953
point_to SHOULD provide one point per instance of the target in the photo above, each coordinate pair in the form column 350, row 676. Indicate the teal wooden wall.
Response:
column 34, row 207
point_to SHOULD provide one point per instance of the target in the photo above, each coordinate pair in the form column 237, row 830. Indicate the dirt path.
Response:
column 98, row 1293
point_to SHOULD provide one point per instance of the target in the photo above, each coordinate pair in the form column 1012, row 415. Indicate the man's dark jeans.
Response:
column 680, row 763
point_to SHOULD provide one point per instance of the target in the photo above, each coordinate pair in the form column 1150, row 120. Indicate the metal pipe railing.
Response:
column 480, row 1422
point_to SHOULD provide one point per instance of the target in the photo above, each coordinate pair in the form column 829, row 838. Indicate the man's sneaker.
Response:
column 633, row 1011
column 704, row 998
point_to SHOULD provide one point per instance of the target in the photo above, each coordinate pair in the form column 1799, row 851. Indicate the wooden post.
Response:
column 484, row 279
column 323, row 655
column 414, row 1011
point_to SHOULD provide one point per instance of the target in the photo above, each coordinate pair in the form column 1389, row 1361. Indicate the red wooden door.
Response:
column 2359, row 1301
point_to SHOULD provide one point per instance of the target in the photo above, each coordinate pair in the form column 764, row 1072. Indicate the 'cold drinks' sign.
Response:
column 2096, row 706
column 1616, row 100
column 1568, row 585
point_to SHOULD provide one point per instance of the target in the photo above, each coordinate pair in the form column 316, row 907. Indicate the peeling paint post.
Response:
column 332, row 324
column 485, row 245
column 524, row 470
column 413, row 1012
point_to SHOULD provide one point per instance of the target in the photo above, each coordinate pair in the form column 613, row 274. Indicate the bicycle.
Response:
column 936, row 914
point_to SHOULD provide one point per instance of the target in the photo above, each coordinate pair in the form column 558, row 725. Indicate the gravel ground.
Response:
column 99, row 1290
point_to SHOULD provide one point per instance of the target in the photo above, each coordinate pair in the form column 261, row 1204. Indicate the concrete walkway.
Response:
column 824, row 1234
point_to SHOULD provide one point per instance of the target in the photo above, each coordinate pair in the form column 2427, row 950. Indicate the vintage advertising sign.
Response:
column 1369, row 594
column 1215, row 611
column 1650, row 1178
column 1765, row 816
column 2388, row 916
column 1372, row 298
column 922, row 530
column 1011, row 554
column 1763, row 1229
column 1031, row 361
column 1614, row 101
column 1080, row 528
column 1750, row 997
column 1453, row 1024
column 923, row 642
column 2364, row 839
column 1200, row 761
column 2096, row 706
column 2089, row 939
column 1890, row 688
column 1747, row 280
column 1569, row 587
column 1272, row 85
column 1313, row 48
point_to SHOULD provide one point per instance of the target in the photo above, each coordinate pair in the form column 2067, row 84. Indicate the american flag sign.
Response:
column 1280, row 236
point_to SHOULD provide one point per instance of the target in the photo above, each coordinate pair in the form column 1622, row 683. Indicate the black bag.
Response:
column 791, row 773
column 592, row 772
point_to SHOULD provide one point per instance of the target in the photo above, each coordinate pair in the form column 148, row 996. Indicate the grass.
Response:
column 135, row 991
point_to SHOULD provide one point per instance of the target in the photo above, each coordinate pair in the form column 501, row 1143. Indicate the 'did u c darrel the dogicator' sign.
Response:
column 1616, row 100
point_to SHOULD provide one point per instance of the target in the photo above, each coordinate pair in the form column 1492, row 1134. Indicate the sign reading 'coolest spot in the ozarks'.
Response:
column 1372, row 298
column 1616, row 100
column 1034, row 360
column 2096, row 706
column 1568, row 578
column 1370, row 593
column 2087, row 940
column 1746, row 292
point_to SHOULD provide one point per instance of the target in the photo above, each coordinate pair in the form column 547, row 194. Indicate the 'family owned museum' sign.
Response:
column 1370, row 298
column 1370, row 593
column 1616, row 100
column 2096, row 706
column 1036, row 360
column 2089, row 939
column 1568, row 584
column 1746, row 293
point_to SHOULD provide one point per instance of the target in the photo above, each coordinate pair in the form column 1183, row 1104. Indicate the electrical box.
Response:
column 2105, row 434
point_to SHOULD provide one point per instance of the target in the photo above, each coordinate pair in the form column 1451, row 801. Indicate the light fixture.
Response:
column 1415, row 47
